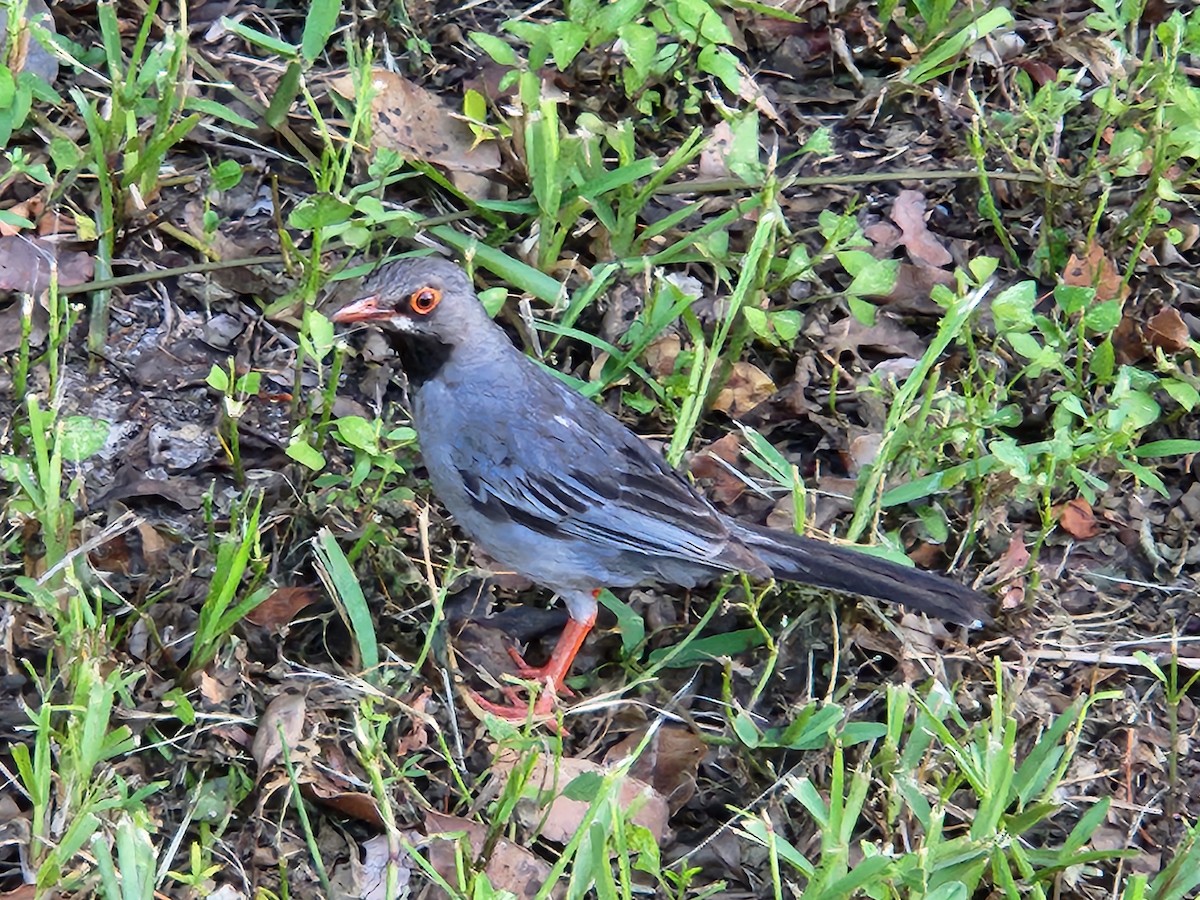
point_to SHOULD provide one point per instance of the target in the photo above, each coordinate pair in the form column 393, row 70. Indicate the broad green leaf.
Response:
column 82, row 436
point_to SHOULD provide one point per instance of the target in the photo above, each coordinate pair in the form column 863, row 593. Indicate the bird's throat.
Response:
column 422, row 356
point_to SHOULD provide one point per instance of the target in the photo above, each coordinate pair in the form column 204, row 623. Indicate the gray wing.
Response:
column 574, row 471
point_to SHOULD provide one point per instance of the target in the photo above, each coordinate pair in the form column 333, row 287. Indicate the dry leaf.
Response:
column 510, row 867
column 1077, row 519
column 563, row 817
column 714, row 158
column 414, row 122
column 909, row 213
column 724, row 486
column 746, row 387
column 281, row 607
column 283, row 714
column 670, row 762
column 1167, row 330
column 1096, row 270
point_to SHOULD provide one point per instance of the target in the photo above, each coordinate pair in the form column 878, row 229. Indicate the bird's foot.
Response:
column 518, row 709
column 543, row 674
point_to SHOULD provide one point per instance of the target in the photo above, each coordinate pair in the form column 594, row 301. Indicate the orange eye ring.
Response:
column 424, row 300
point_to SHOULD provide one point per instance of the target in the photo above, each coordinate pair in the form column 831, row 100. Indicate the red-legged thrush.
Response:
column 551, row 485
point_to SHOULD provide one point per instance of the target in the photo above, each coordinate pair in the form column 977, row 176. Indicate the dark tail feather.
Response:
column 807, row 561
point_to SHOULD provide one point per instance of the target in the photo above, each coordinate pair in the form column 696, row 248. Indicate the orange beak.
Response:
column 365, row 310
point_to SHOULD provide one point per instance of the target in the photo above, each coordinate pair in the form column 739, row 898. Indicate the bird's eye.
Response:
column 424, row 300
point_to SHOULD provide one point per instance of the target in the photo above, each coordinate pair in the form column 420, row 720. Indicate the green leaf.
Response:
column 641, row 44
column 876, row 278
column 1103, row 318
column 318, row 26
column 566, row 40
column 218, row 379
column 1012, row 309
column 305, row 454
column 227, row 175
column 708, row 648
column 1182, row 393
column 629, row 623
column 348, row 592
column 819, row 143
column 862, row 311
column 1172, row 447
column 285, row 93
column 217, row 110
column 1025, row 344
column 319, row 211
column 584, row 787
column 81, row 436
column 497, row 48
column 1103, row 361
column 358, row 433
column 720, row 62
column 265, row 41
column 1073, row 298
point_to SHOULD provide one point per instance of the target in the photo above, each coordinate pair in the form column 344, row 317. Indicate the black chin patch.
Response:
column 421, row 355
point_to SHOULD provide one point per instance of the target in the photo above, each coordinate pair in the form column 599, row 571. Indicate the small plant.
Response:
column 663, row 42
column 238, row 568
column 236, row 391
column 924, row 755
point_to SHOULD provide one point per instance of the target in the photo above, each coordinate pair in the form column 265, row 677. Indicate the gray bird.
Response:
column 551, row 485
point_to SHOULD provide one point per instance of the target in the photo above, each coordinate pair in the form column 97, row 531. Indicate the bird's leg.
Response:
column 552, row 674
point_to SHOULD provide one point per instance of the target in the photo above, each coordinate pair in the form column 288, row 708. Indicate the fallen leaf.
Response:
column 715, row 464
column 413, row 121
column 26, row 264
column 282, row 722
column 669, row 763
column 510, row 866
column 746, row 387
column 1167, row 330
column 1096, row 270
column 281, row 607
column 1077, row 519
column 714, row 158
column 908, row 212
column 562, row 816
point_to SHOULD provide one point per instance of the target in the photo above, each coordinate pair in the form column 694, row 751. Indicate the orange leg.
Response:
column 552, row 675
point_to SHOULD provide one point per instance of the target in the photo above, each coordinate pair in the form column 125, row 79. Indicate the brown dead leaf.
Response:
column 1129, row 346
column 660, row 356
column 563, row 817
column 725, row 487
column 413, row 121
column 887, row 335
column 281, row 607
column 1167, row 330
column 669, row 763
column 320, row 787
column 26, row 264
column 1077, row 519
column 911, row 289
column 714, row 158
column 510, row 867
column 746, row 387
column 1014, row 560
column 281, row 722
column 1096, row 270
column 418, row 738
column 908, row 212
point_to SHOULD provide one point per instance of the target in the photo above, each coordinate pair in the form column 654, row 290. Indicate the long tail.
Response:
column 807, row 561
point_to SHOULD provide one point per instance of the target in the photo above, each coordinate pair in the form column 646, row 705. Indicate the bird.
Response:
column 553, row 486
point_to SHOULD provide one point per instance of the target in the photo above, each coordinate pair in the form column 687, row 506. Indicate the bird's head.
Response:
column 422, row 297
